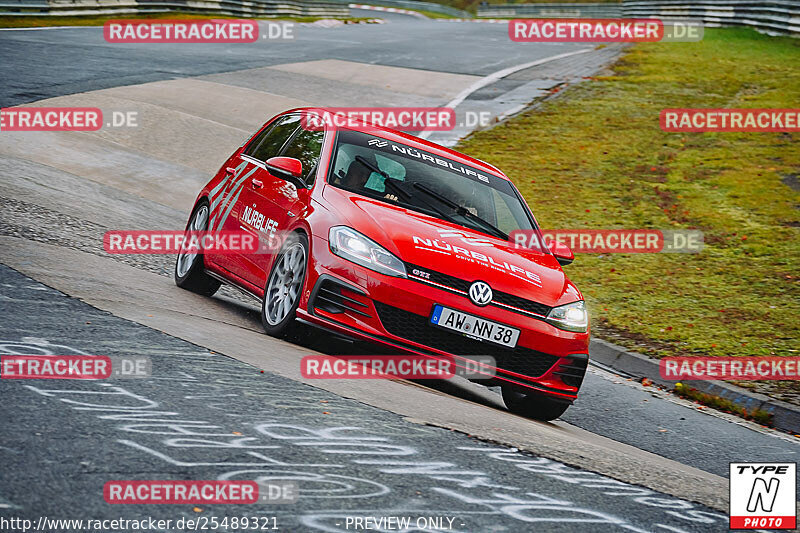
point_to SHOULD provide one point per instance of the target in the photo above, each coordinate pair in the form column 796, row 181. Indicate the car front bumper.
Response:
column 394, row 312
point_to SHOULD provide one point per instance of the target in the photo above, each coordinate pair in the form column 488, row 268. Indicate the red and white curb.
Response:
column 388, row 10
column 420, row 15
column 490, row 21
column 335, row 23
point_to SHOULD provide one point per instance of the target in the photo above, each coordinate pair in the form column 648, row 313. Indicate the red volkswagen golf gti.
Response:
column 391, row 239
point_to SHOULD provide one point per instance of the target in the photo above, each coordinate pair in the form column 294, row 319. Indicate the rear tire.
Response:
column 533, row 406
column 285, row 286
column 189, row 273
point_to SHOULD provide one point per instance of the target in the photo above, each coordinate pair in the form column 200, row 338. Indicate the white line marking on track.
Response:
column 494, row 76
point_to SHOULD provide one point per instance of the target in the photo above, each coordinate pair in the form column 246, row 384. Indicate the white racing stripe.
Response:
column 494, row 76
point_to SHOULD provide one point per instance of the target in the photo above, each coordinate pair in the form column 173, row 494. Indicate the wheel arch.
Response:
column 199, row 199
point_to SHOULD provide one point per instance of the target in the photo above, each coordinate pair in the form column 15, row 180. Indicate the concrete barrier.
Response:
column 561, row 10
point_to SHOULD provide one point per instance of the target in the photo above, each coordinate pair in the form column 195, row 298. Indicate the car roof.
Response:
column 409, row 140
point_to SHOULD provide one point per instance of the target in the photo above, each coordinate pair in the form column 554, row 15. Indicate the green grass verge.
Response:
column 595, row 157
column 723, row 404
column 32, row 21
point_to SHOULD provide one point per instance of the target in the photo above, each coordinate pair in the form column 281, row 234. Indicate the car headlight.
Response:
column 353, row 246
column 570, row 317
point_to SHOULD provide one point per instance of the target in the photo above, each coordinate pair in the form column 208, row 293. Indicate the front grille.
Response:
column 443, row 279
column 414, row 327
column 498, row 296
column 520, row 303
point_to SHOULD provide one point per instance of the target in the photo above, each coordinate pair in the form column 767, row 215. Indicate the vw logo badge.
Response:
column 480, row 293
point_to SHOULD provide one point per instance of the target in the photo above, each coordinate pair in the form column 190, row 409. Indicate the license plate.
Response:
column 474, row 326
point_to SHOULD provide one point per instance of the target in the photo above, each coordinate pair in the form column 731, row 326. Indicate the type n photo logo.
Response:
column 763, row 495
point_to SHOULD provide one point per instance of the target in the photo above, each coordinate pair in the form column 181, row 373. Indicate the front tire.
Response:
column 285, row 286
column 189, row 266
column 533, row 406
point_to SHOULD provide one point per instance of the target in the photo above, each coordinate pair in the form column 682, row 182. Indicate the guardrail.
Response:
column 579, row 10
column 238, row 8
column 243, row 8
column 417, row 6
column 774, row 17
column 24, row 7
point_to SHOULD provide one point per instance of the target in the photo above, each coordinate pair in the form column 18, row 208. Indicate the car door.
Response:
column 271, row 204
column 228, row 205
column 223, row 200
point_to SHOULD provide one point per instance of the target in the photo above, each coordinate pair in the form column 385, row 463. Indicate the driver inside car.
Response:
column 357, row 177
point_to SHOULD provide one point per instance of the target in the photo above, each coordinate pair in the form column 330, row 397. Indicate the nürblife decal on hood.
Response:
column 465, row 252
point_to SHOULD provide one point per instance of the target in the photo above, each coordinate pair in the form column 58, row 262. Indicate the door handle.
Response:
column 230, row 171
column 257, row 184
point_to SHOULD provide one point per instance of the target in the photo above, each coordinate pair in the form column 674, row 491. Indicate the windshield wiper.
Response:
column 387, row 180
column 370, row 166
column 462, row 211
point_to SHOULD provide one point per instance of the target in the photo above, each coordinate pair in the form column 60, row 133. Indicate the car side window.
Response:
column 306, row 146
column 270, row 142
column 256, row 140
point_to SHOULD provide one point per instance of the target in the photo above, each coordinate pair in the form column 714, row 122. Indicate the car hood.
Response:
column 431, row 244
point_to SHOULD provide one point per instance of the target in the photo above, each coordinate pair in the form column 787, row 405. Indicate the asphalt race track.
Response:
column 639, row 459
column 211, row 417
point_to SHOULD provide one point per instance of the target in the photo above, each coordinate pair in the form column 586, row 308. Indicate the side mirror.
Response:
column 287, row 168
column 561, row 251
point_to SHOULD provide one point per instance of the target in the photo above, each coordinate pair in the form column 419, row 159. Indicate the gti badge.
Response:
column 480, row 293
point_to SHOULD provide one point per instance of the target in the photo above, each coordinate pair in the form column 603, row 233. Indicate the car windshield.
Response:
column 428, row 183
